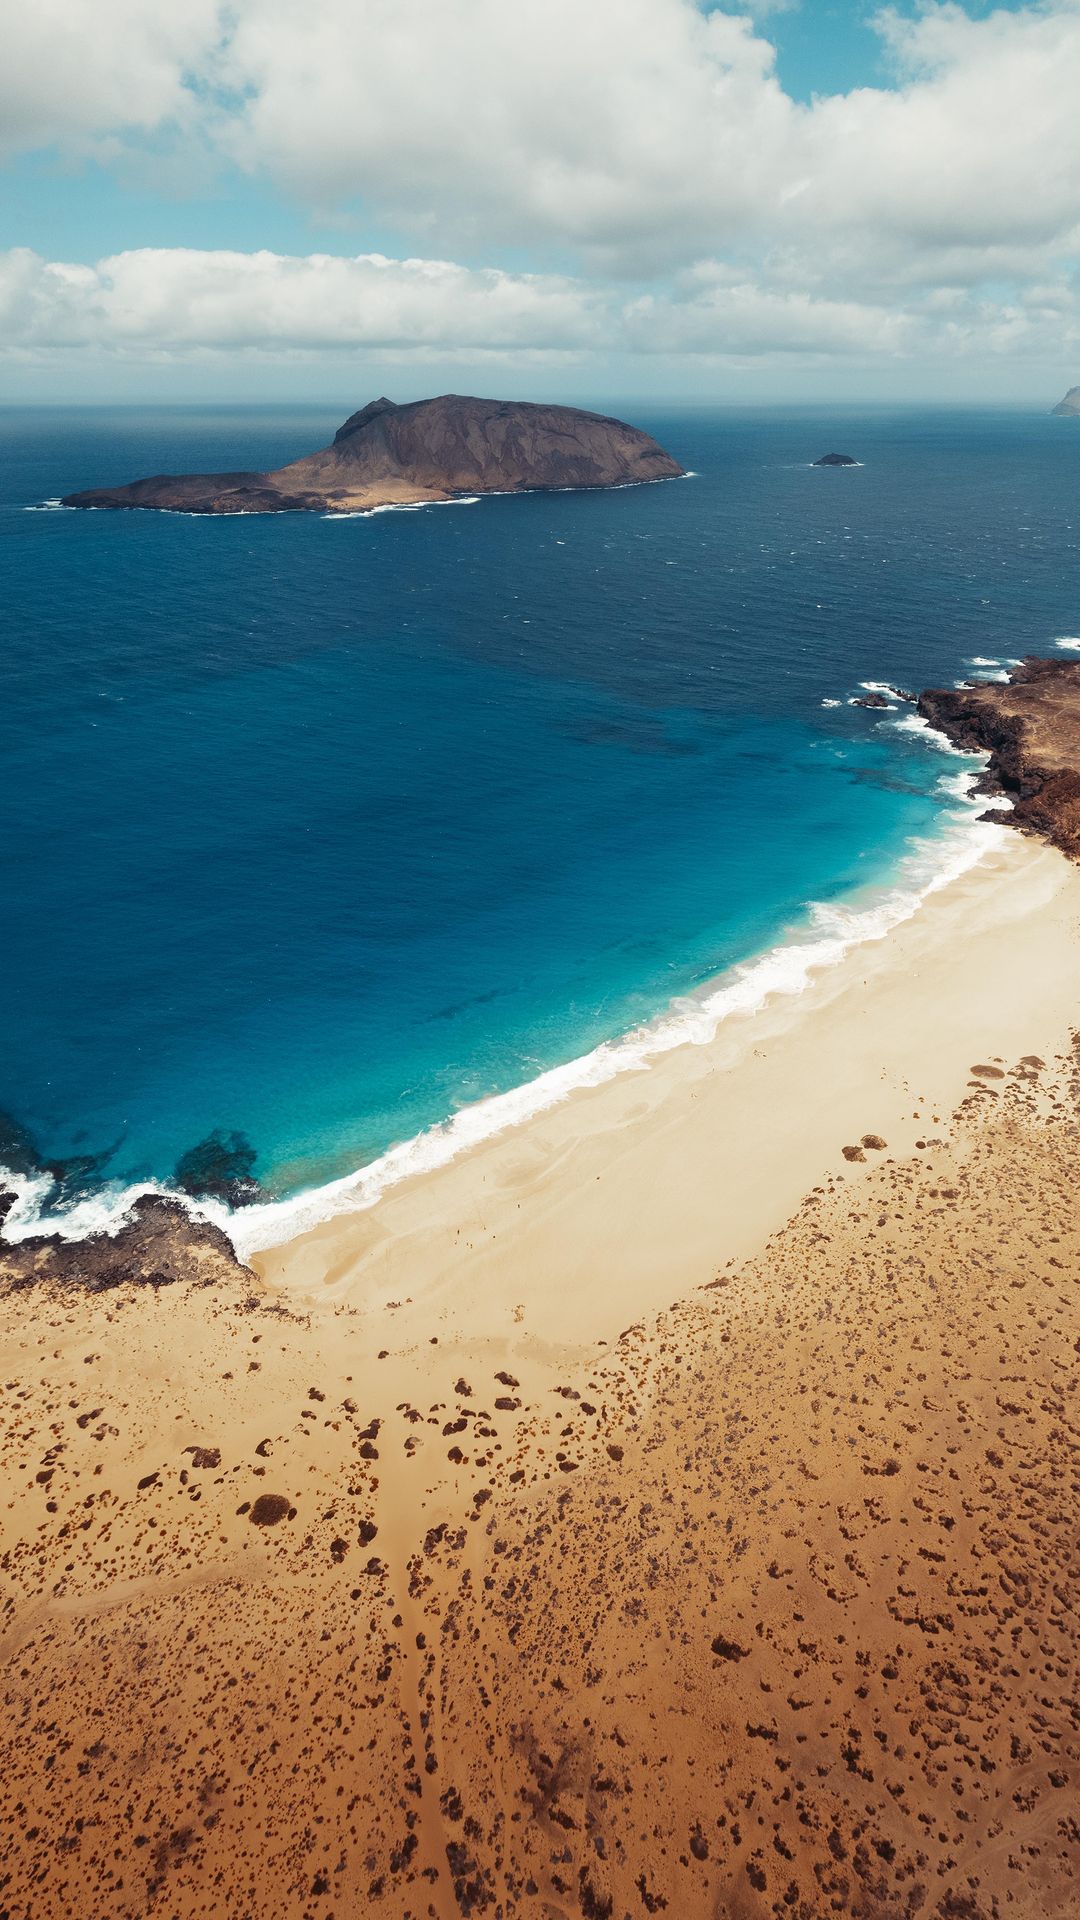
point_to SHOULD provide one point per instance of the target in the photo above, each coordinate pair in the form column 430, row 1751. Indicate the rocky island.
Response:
column 1030, row 727
column 1069, row 408
column 837, row 460
column 427, row 451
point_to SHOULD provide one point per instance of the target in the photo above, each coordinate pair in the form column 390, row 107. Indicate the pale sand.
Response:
column 557, row 1232
column 768, row 1608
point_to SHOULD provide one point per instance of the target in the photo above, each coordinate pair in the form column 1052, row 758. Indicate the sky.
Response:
column 663, row 200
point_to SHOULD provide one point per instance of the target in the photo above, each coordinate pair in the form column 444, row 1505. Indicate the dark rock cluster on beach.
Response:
column 221, row 1167
column 158, row 1245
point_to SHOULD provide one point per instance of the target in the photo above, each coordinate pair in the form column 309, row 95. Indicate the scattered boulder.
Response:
column 268, row 1509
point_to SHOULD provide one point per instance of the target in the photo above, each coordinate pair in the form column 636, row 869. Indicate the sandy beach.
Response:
column 656, row 1509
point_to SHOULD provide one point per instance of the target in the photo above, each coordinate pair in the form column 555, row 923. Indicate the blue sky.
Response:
column 651, row 196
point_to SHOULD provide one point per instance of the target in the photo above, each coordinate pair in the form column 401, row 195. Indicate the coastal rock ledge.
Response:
column 158, row 1244
column 427, row 451
column 1030, row 727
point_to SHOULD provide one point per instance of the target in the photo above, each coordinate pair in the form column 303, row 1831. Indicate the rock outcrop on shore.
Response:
column 1070, row 406
column 159, row 1245
column 428, row 451
column 1030, row 727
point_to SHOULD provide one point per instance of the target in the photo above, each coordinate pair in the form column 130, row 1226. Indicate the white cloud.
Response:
column 183, row 302
column 644, row 133
column 620, row 126
column 176, row 299
column 978, row 151
column 75, row 70
column 753, row 321
column 648, row 143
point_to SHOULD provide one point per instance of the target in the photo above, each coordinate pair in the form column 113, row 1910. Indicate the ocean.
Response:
column 331, row 833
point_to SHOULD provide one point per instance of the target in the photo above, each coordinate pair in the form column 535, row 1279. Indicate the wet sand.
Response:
column 657, row 1511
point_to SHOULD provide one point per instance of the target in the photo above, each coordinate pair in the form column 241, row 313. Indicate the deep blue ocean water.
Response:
column 319, row 830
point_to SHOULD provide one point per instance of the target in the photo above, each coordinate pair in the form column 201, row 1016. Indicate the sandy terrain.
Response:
column 658, row 1511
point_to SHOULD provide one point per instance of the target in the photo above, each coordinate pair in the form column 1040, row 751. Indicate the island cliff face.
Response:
column 1030, row 727
column 1070, row 406
column 431, row 450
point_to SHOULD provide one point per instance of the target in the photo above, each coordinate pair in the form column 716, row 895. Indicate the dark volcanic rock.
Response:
column 221, row 1167
column 871, row 700
column 836, row 460
column 158, row 1245
column 73, row 1175
column 1030, row 727
column 429, row 450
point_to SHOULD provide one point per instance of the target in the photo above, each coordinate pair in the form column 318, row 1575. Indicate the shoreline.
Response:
column 661, row 1175
column 822, row 937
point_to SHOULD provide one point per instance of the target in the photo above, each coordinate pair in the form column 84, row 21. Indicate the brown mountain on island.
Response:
column 1070, row 406
column 1030, row 727
column 429, row 450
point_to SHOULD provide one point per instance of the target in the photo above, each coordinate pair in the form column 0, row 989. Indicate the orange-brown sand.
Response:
column 765, row 1604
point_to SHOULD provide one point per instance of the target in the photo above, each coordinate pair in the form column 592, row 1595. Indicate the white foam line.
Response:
column 1067, row 644
column 403, row 506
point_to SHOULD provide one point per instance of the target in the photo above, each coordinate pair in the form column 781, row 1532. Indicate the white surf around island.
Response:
column 821, row 939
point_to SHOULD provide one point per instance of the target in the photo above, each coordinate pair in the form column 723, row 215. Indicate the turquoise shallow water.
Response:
column 320, row 830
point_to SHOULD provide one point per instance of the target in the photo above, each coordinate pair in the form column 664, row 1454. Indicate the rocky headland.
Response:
column 427, row 451
column 1070, row 406
column 1030, row 727
column 158, row 1245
